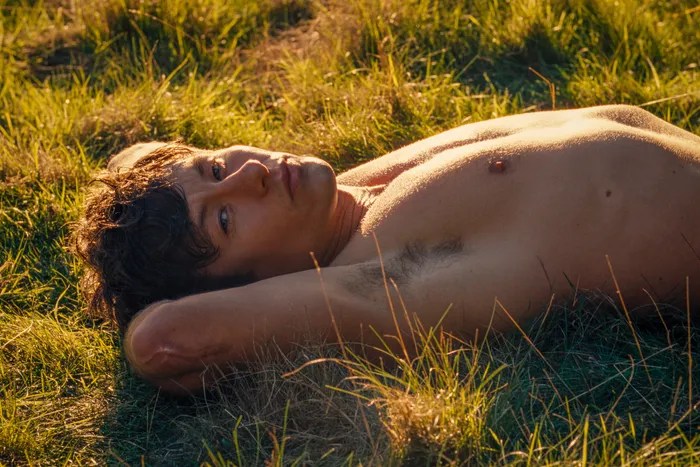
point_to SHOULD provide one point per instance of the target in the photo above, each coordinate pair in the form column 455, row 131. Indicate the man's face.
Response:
column 264, row 211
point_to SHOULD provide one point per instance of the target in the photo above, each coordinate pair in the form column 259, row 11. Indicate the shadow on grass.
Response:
column 255, row 415
column 579, row 371
column 578, row 361
column 133, row 37
column 142, row 426
column 587, row 360
column 511, row 68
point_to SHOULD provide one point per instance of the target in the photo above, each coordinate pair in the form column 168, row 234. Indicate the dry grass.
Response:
column 347, row 81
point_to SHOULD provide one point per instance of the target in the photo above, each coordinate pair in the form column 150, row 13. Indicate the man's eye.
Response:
column 217, row 170
column 223, row 220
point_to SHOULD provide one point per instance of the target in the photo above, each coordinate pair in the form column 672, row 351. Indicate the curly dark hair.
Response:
column 138, row 241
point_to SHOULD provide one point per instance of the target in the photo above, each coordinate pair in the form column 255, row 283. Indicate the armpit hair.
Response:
column 414, row 260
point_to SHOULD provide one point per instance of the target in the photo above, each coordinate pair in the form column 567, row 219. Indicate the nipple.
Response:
column 497, row 166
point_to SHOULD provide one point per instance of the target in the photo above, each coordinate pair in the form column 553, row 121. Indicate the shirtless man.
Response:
column 517, row 209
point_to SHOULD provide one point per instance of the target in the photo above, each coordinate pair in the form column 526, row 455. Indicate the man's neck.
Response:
column 353, row 203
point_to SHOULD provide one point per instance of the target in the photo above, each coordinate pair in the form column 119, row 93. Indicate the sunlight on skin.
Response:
column 474, row 205
column 347, row 81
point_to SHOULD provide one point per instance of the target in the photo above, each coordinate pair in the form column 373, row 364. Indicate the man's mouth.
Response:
column 290, row 177
column 294, row 177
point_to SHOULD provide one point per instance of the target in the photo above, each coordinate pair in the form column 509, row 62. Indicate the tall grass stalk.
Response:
column 346, row 81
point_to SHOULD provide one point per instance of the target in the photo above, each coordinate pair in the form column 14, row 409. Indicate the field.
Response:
column 347, row 81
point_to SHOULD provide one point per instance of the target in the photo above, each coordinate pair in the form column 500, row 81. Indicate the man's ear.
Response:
column 128, row 157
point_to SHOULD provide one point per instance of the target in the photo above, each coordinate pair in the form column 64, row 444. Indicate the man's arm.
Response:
column 172, row 343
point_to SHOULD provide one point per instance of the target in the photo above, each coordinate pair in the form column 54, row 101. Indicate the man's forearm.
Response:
column 171, row 340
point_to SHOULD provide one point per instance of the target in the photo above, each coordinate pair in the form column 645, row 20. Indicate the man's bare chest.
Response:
column 439, row 201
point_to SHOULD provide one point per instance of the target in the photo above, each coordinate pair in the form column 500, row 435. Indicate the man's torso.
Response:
column 527, row 213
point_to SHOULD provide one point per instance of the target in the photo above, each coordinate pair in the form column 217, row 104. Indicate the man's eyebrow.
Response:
column 199, row 164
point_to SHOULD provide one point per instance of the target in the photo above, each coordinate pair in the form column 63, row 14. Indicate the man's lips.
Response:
column 290, row 177
column 294, row 174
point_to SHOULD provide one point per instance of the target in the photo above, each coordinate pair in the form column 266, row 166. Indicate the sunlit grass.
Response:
column 346, row 81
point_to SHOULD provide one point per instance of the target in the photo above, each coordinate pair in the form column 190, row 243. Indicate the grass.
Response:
column 347, row 81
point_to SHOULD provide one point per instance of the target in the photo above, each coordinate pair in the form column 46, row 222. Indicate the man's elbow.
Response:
column 147, row 344
column 153, row 355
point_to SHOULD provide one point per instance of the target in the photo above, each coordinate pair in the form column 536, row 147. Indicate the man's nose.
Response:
column 249, row 180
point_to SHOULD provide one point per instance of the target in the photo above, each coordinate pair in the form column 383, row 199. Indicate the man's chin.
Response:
column 315, row 163
column 318, row 175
